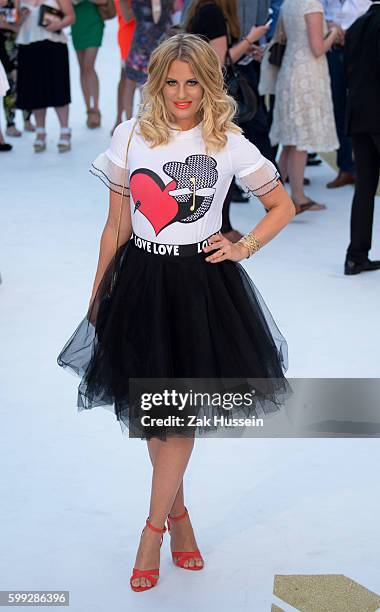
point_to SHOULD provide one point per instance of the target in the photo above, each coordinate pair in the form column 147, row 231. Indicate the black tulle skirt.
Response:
column 164, row 317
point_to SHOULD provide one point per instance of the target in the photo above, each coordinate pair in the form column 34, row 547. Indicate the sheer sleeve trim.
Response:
column 111, row 173
column 261, row 181
column 114, row 159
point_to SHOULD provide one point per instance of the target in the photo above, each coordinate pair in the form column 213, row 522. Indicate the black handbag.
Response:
column 276, row 53
column 240, row 89
column 48, row 14
column 278, row 45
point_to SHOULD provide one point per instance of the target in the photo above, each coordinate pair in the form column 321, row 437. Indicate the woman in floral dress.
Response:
column 146, row 37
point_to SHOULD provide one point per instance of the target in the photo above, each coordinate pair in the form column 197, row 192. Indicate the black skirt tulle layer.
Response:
column 175, row 317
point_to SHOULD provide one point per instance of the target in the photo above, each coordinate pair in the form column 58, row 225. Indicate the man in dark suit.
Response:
column 362, row 59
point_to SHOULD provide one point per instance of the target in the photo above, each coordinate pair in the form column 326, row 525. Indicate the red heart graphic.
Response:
column 152, row 199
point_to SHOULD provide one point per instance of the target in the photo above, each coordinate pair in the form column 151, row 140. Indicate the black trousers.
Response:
column 367, row 159
column 335, row 58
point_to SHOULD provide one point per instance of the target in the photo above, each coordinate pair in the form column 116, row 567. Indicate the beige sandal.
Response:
column 311, row 205
column 13, row 131
column 93, row 118
column 29, row 126
column 64, row 144
column 40, row 143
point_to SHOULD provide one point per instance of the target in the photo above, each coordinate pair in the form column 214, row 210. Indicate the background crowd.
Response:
column 312, row 67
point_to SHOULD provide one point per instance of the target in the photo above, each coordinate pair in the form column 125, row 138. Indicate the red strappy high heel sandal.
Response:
column 179, row 557
column 149, row 573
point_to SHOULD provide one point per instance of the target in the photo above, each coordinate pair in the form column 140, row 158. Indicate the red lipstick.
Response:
column 182, row 105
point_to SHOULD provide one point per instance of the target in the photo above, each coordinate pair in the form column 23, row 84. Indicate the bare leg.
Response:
column 40, row 117
column 283, row 162
column 28, row 124
column 125, row 96
column 178, row 504
column 63, row 115
column 296, row 169
column 63, row 118
column 171, row 459
column 121, row 99
column 129, row 96
column 88, row 77
column 83, row 78
column 182, row 534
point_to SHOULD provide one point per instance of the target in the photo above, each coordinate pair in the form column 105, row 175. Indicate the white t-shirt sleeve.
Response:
column 255, row 171
column 112, row 165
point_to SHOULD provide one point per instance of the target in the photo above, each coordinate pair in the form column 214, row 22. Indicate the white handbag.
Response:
column 268, row 74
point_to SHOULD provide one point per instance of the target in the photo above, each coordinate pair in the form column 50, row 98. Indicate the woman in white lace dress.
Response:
column 303, row 118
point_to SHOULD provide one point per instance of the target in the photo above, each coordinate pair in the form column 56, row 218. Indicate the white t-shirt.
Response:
column 176, row 190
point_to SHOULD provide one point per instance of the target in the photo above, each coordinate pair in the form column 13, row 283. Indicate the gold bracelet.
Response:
column 251, row 243
column 248, row 41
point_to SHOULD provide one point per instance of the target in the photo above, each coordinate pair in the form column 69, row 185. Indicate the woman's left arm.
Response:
column 281, row 211
column 69, row 18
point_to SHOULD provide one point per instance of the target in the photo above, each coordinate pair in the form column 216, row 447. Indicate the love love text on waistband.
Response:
column 169, row 249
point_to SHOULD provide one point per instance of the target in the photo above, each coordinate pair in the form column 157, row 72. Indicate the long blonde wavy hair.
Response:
column 217, row 108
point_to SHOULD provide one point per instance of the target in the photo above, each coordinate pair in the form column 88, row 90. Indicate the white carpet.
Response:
column 75, row 492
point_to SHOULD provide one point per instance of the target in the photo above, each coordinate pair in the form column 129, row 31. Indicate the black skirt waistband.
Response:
column 173, row 250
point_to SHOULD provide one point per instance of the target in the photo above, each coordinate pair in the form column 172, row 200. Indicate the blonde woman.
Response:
column 174, row 302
